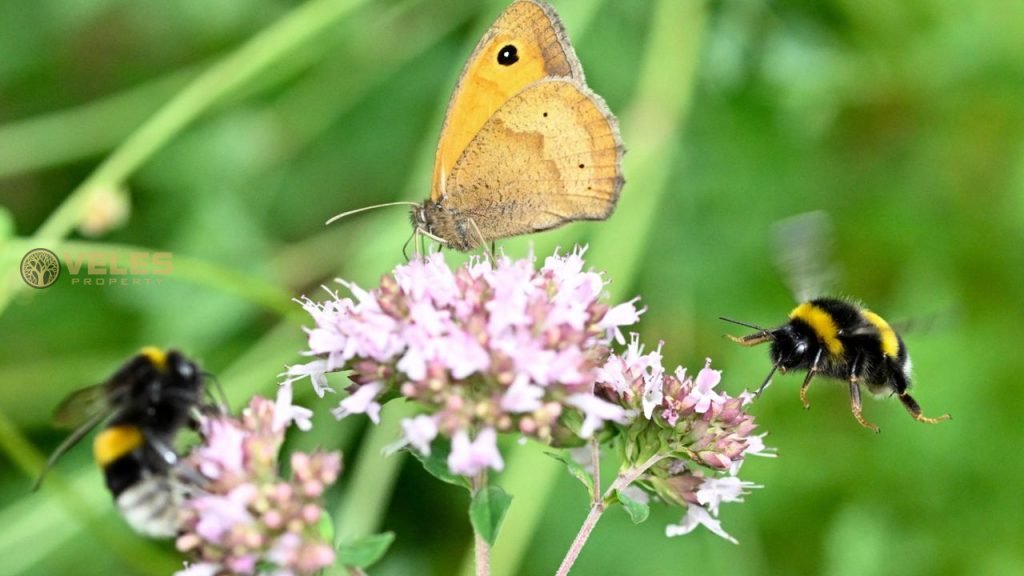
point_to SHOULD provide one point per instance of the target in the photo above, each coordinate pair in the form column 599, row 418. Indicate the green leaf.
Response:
column 365, row 552
column 575, row 468
column 638, row 511
column 326, row 527
column 487, row 510
column 437, row 465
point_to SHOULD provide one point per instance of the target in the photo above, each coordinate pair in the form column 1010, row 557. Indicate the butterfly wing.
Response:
column 549, row 155
column 527, row 43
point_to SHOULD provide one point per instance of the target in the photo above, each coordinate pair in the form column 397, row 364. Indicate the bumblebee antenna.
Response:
column 748, row 325
column 761, row 336
column 366, row 208
column 222, row 397
column 767, row 381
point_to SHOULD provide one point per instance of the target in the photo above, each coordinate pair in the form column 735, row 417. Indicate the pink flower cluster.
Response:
column 487, row 348
column 245, row 516
column 702, row 435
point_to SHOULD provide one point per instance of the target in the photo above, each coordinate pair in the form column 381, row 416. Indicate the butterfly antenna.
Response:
column 366, row 208
column 748, row 325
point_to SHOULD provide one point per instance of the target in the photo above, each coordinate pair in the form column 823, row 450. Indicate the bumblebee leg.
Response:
column 167, row 454
column 766, row 382
column 753, row 339
column 807, row 380
column 855, row 406
column 915, row 410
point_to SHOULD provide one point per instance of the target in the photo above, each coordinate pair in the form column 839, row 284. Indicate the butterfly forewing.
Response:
column 559, row 153
column 535, row 47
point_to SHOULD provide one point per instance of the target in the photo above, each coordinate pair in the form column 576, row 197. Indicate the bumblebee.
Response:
column 144, row 405
column 832, row 337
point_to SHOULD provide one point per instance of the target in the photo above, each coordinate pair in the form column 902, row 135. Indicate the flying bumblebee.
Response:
column 144, row 405
column 832, row 337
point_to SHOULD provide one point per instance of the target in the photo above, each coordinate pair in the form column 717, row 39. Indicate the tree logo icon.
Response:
column 40, row 268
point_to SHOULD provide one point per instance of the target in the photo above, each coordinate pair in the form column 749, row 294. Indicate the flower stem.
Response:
column 624, row 479
column 481, row 549
column 483, row 556
column 595, row 459
column 596, row 510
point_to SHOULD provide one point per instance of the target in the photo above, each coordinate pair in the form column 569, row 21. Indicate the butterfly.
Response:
column 525, row 145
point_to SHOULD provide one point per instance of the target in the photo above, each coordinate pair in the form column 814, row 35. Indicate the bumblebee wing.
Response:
column 82, row 405
column 862, row 330
column 70, row 442
column 803, row 253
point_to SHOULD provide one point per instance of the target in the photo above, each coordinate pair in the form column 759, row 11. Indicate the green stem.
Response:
column 85, row 130
column 624, row 479
column 371, row 477
column 481, row 550
column 210, row 87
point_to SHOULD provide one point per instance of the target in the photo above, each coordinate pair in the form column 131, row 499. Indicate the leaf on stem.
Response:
column 487, row 510
column 365, row 552
column 437, row 465
column 575, row 468
column 638, row 511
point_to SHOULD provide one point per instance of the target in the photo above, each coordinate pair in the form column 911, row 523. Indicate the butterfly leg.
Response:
column 807, row 380
column 915, row 410
column 483, row 241
column 855, row 405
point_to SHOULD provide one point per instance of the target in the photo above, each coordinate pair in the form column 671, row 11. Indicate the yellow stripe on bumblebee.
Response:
column 115, row 442
column 890, row 342
column 155, row 355
column 823, row 325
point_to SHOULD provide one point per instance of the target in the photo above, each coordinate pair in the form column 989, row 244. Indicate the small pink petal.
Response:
column 696, row 516
column 470, row 458
column 596, row 412
column 420, row 432
column 522, row 396
column 362, row 401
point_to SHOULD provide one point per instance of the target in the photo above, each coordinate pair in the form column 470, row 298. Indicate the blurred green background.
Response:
column 234, row 129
